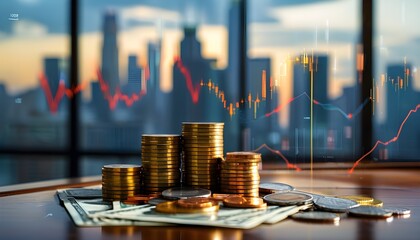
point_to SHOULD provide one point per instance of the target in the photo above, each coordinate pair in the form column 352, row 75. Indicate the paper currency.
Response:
column 225, row 217
column 84, row 212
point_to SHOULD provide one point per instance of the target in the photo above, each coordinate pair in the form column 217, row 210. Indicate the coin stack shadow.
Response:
column 239, row 174
column 203, row 146
column 161, row 160
column 120, row 181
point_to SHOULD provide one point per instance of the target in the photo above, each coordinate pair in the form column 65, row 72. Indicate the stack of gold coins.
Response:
column 239, row 174
column 161, row 159
column 120, row 181
column 203, row 146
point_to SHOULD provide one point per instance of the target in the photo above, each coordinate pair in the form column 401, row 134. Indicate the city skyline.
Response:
column 203, row 90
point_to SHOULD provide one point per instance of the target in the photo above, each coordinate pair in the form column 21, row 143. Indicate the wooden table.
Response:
column 38, row 215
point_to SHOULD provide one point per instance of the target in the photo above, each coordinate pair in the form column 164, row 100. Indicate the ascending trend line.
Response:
column 277, row 152
column 394, row 139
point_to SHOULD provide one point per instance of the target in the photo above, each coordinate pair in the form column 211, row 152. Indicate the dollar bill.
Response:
column 85, row 212
column 225, row 217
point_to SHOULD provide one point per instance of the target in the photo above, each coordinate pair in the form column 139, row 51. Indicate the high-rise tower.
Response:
column 109, row 68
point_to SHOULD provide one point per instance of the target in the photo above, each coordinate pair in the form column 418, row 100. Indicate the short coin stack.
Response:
column 120, row 181
column 203, row 146
column 239, row 174
column 161, row 160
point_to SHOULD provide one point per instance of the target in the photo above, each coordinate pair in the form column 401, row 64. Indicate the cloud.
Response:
column 144, row 15
column 28, row 28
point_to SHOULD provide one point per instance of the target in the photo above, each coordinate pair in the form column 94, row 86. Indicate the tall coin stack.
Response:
column 120, row 181
column 203, row 146
column 239, row 174
column 161, row 160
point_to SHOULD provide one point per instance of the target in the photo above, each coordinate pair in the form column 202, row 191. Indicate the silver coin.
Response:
column 317, row 216
column 397, row 210
column 185, row 192
column 156, row 201
column 370, row 211
column 334, row 204
column 276, row 187
column 288, row 198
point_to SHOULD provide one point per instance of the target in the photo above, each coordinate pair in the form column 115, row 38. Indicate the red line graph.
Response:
column 394, row 139
column 194, row 90
column 113, row 99
column 277, row 152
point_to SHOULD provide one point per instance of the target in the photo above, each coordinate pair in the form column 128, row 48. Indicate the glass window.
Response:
column 302, row 80
column 147, row 66
column 396, row 80
column 21, row 169
column 34, row 85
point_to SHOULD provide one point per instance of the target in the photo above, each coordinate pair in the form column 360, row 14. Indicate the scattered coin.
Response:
column 397, row 210
column 174, row 208
column 244, row 202
column 370, row 211
column 288, row 198
column 271, row 187
column 335, row 204
column 185, row 192
column 316, row 216
column 196, row 202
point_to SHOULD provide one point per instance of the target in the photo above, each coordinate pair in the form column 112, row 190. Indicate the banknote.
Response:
column 225, row 217
column 84, row 212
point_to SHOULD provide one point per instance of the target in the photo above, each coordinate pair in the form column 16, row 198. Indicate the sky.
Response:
column 280, row 29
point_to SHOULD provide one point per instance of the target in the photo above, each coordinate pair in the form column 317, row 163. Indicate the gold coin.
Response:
column 241, row 164
column 244, row 169
column 121, row 167
column 376, row 203
column 162, row 147
column 161, row 174
column 199, row 172
column 116, row 190
column 203, row 138
column 160, row 136
column 120, row 181
column 116, row 176
column 203, row 142
column 362, row 200
column 202, row 181
column 239, row 183
column 196, row 151
column 202, row 165
column 203, row 124
column 162, row 167
column 240, row 179
column 222, row 196
column 163, row 142
column 173, row 208
column 201, row 161
column 244, row 202
column 254, row 174
column 157, row 189
column 241, row 188
column 243, row 154
column 196, row 202
column 160, row 163
column 160, row 152
column 241, row 191
column 232, row 172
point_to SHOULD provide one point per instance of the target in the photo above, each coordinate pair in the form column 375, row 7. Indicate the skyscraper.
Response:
column 134, row 75
column 52, row 73
column 109, row 68
column 153, row 83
